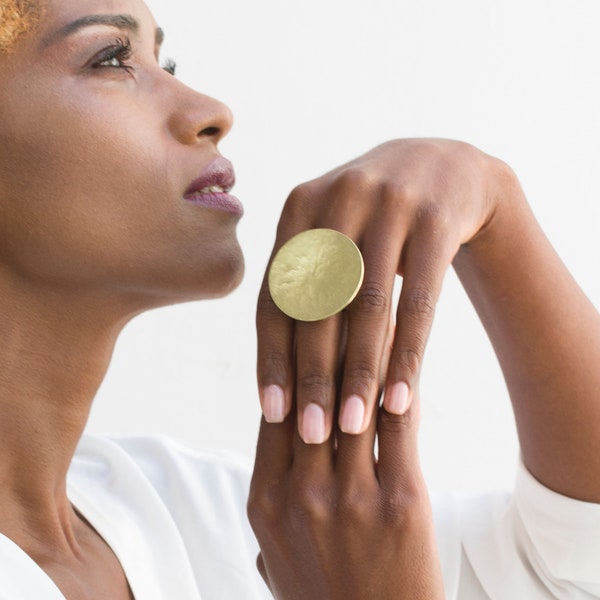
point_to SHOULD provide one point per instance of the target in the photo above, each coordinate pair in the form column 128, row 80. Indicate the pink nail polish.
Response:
column 398, row 399
column 273, row 404
column 353, row 415
column 313, row 424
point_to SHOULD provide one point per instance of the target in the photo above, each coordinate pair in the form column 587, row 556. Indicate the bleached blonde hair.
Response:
column 17, row 18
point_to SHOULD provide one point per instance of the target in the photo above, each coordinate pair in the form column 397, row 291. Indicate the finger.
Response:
column 317, row 344
column 312, row 463
column 398, row 467
column 274, row 450
column 425, row 261
column 275, row 330
column 317, row 364
column 274, row 454
column 355, row 455
column 311, row 474
column 275, row 334
column 355, row 459
column 369, row 321
column 260, row 565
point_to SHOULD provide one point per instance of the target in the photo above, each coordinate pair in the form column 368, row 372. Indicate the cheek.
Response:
column 90, row 187
column 75, row 176
column 95, row 199
column 57, row 152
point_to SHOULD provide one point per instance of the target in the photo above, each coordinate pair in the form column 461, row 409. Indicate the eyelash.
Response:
column 121, row 50
column 170, row 66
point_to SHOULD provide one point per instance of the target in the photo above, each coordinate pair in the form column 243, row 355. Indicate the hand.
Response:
column 332, row 523
column 409, row 205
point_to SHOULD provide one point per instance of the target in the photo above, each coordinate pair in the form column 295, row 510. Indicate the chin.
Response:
column 217, row 281
column 235, row 274
column 177, row 285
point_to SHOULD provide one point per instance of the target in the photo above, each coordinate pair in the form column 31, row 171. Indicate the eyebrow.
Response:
column 125, row 22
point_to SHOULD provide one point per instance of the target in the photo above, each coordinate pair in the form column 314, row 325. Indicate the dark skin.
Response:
column 415, row 207
column 98, row 146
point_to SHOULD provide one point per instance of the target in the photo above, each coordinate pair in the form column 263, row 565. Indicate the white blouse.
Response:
column 176, row 519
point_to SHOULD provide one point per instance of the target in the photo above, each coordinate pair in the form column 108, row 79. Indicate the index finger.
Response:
column 275, row 330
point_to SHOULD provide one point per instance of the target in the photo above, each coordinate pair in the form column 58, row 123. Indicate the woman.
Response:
column 122, row 204
column 113, row 200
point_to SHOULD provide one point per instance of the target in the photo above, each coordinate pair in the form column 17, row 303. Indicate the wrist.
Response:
column 506, row 209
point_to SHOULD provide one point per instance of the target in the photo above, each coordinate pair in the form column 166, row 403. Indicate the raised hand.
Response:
column 409, row 205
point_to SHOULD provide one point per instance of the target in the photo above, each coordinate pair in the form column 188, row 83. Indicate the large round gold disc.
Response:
column 316, row 274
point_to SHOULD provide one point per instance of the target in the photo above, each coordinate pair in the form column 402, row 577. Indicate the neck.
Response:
column 55, row 351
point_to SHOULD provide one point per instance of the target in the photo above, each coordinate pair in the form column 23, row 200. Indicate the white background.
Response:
column 315, row 83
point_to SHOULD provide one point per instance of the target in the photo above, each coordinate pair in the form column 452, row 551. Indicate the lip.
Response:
column 218, row 173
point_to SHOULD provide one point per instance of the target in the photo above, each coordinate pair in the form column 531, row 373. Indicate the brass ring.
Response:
column 316, row 274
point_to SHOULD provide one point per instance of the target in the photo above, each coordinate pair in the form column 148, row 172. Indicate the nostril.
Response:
column 210, row 131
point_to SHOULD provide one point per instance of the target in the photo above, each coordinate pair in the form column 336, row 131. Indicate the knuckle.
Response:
column 372, row 298
column 263, row 506
column 395, row 424
column 393, row 507
column 418, row 302
column 434, row 213
column 395, row 193
column 297, row 208
column 273, row 366
column 361, row 375
column 301, row 195
column 403, row 508
column 308, row 507
column 355, row 511
column 354, row 178
column 316, row 384
column 434, row 216
column 354, row 505
column 408, row 360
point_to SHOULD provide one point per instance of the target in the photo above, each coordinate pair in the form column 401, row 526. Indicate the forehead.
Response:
column 63, row 12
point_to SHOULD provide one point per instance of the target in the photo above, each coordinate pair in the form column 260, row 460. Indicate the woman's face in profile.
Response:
column 99, row 145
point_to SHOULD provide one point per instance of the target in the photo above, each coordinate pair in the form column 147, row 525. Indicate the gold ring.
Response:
column 316, row 274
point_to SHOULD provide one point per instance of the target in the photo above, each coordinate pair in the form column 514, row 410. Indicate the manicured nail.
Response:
column 398, row 399
column 273, row 404
column 313, row 424
column 353, row 415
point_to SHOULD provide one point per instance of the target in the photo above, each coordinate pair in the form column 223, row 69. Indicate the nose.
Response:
column 197, row 117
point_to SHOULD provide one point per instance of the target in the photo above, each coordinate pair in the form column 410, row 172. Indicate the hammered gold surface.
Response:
column 316, row 274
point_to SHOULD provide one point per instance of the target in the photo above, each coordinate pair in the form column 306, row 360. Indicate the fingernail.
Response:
column 313, row 424
column 398, row 399
column 353, row 415
column 273, row 404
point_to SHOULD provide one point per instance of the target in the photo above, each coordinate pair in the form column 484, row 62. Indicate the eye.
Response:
column 115, row 56
column 111, row 62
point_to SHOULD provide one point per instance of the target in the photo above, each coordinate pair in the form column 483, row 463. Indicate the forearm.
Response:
column 546, row 334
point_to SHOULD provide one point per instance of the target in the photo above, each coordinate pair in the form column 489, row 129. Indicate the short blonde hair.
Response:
column 17, row 17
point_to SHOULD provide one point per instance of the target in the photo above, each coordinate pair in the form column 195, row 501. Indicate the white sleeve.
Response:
column 536, row 544
column 562, row 536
